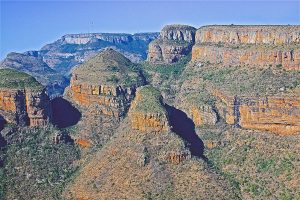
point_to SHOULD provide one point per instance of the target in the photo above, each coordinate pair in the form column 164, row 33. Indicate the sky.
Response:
column 29, row 25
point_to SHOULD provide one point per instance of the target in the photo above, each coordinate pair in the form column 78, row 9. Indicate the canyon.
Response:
column 154, row 129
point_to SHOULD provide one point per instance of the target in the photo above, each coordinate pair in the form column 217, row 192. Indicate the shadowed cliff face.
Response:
column 185, row 128
column 64, row 114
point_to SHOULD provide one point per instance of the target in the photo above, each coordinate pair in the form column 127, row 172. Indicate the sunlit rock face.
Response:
column 23, row 101
column 174, row 42
column 239, row 34
column 249, row 45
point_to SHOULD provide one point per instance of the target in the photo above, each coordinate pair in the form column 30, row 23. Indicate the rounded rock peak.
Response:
column 109, row 67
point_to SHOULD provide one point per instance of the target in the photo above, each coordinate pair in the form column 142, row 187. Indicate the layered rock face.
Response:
column 147, row 113
column 174, row 42
column 24, row 106
column 279, row 115
column 106, row 81
column 249, row 45
column 288, row 58
column 235, row 34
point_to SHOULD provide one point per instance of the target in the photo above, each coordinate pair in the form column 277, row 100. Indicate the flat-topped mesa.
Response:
column 258, row 46
column 23, row 101
column 147, row 113
column 108, row 80
column 244, row 34
column 174, row 42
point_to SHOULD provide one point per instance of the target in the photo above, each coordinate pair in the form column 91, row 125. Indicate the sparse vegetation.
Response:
column 150, row 101
column 35, row 167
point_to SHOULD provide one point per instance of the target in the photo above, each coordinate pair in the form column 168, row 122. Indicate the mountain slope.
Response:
column 35, row 67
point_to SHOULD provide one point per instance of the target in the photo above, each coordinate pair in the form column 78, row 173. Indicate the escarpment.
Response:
column 147, row 112
column 174, row 42
column 23, row 101
column 249, row 45
column 108, row 80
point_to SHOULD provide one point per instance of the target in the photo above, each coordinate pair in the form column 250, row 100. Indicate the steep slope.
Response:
column 73, row 49
column 174, row 42
column 23, row 100
column 143, row 161
column 31, row 64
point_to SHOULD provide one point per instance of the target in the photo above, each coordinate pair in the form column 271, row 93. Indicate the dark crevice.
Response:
column 183, row 126
column 63, row 113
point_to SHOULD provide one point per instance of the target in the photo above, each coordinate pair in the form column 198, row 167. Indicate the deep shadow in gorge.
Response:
column 183, row 126
column 63, row 113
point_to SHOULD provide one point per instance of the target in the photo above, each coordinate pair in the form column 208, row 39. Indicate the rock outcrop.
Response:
column 23, row 101
column 249, row 45
column 147, row 113
column 174, row 42
column 108, row 80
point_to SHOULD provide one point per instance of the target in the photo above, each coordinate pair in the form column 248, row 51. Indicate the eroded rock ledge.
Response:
column 174, row 42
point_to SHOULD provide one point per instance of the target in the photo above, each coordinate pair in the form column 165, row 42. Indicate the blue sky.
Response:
column 28, row 25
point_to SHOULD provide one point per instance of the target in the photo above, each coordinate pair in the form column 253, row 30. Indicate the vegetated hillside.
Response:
column 54, row 81
column 12, row 79
column 74, row 49
column 145, row 161
column 33, row 166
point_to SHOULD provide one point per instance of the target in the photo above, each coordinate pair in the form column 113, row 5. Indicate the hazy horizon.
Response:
column 28, row 25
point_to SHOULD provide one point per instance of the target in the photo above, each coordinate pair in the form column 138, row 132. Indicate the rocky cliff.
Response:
column 239, row 34
column 108, row 80
column 277, row 114
column 249, row 45
column 147, row 112
column 174, row 42
column 23, row 100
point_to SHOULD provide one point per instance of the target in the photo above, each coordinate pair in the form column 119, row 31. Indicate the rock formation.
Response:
column 147, row 112
column 249, row 45
column 108, row 80
column 23, row 101
column 277, row 114
column 174, row 42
